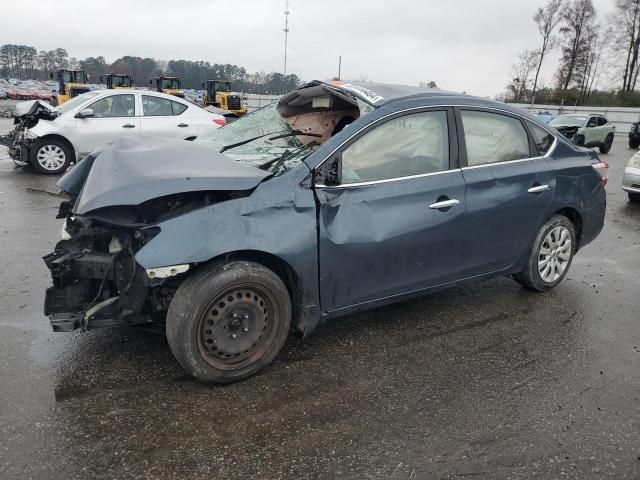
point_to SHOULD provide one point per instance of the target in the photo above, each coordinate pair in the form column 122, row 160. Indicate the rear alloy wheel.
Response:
column 551, row 255
column 227, row 322
column 606, row 146
column 50, row 157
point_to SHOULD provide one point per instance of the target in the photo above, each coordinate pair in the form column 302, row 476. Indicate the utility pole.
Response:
column 286, row 35
column 339, row 66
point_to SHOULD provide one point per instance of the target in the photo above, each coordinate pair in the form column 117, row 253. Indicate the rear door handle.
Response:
column 182, row 125
column 445, row 204
column 128, row 125
column 539, row 189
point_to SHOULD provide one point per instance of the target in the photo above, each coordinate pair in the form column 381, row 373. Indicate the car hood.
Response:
column 562, row 125
column 134, row 169
column 32, row 107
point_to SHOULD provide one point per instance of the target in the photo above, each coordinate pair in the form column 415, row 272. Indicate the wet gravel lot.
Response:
column 487, row 381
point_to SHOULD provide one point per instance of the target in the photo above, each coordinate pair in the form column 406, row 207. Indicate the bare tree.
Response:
column 625, row 21
column 522, row 72
column 547, row 19
column 577, row 19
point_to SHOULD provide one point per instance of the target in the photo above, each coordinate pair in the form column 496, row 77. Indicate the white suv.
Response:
column 50, row 139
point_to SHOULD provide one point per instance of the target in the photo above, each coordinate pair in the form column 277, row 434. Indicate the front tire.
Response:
column 634, row 197
column 228, row 321
column 606, row 146
column 50, row 156
column 634, row 144
column 551, row 255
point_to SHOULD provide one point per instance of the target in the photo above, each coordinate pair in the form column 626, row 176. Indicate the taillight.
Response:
column 220, row 121
column 603, row 170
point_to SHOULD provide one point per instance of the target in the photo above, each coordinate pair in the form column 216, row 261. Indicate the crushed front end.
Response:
column 20, row 139
column 96, row 280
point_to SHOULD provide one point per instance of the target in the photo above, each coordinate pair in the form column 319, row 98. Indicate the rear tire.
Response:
column 50, row 156
column 228, row 321
column 634, row 197
column 634, row 144
column 551, row 255
column 606, row 146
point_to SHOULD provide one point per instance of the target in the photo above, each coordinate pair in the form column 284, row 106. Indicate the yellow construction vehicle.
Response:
column 71, row 83
column 169, row 85
column 218, row 93
column 118, row 81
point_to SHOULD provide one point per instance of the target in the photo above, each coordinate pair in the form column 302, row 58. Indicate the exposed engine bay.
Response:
column 569, row 132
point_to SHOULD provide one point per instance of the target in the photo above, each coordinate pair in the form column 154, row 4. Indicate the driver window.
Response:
column 114, row 106
column 593, row 122
column 409, row 145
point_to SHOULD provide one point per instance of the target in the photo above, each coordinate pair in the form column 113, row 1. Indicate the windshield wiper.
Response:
column 275, row 163
column 287, row 133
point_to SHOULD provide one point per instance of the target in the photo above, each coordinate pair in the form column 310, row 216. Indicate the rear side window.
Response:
column 409, row 145
column 541, row 138
column 156, row 106
column 492, row 138
column 602, row 121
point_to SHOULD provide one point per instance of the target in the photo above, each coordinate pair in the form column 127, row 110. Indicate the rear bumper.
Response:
column 593, row 219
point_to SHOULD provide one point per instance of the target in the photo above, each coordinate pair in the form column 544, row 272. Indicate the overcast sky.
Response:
column 463, row 45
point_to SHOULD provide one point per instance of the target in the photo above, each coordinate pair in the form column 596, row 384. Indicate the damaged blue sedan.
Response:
column 335, row 199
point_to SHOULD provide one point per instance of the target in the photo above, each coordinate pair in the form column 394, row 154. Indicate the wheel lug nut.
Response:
column 245, row 329
column 233, row 335
column 246, row 316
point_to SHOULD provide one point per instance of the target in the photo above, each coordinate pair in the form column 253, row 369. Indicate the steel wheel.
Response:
column 237, row 327
column 555, row 254
column 51, row 157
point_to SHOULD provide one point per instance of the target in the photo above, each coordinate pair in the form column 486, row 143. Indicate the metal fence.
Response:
column 621, row 117
column 256, row 101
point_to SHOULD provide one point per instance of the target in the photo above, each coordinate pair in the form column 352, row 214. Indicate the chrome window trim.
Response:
column 428, row 107
column 387, row 180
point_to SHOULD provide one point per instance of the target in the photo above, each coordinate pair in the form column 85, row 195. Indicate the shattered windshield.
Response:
column 270, row 142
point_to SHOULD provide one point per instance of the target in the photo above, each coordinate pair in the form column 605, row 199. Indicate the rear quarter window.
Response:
column 542, row 138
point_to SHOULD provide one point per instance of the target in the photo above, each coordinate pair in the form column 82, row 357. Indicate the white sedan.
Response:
column 50, row 139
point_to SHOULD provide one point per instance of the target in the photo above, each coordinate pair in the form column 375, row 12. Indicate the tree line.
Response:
column 24, row 62
column 599, row 57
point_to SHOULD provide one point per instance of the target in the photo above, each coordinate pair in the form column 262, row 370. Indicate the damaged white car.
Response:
column 51, row 138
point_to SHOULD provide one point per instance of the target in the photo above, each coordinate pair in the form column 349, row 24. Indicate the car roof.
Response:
column 143, row 92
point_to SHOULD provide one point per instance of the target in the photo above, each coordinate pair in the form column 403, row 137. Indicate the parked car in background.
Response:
column 546, row 117
column 339, row 198
column 51, row 138
column 631, row 178
column 586, row 130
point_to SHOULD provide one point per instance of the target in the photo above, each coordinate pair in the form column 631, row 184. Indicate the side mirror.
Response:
column 329, row 174
column 85, row 113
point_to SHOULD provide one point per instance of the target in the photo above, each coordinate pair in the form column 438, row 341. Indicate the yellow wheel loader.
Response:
column 168, row 85
column 218, row 93
column 117, row 81
column 71, row 83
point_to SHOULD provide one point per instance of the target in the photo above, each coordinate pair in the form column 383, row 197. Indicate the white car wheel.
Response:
column 51, row 156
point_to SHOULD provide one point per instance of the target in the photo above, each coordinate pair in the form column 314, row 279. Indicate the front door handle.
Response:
column 182, row 125
column 445, row 204
column 539, row 189
column 128, row 125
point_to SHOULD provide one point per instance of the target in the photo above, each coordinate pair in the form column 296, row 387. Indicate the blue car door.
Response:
column 393, row 223
column 509, row 186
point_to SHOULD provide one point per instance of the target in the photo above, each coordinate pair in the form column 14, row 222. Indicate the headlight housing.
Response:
column 635, row 161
